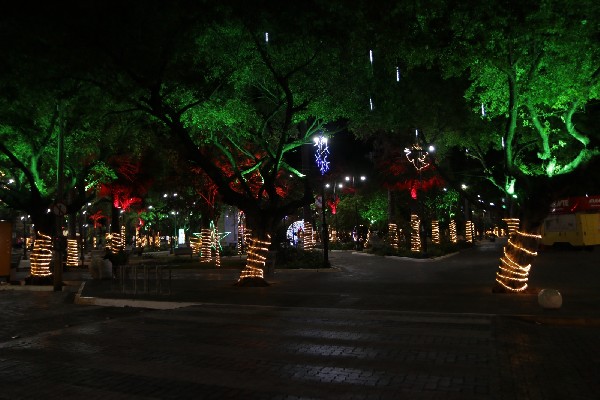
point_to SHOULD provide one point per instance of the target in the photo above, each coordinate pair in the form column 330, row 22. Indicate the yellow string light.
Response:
column 41, row 256
column 529, row 235
column 435, row 231
column 512, row 224
column 215, row 244
column 247, row 237
column 393, row 235
column 368, row 238
column 257, row 256
column 308, row 237
column 415, row 237
column 523, row 249
column 116, row 242
column 469, row 231
column 72, row 253
column 205, row 253
column 453, row 237
column 195, row 243
column 513, row 276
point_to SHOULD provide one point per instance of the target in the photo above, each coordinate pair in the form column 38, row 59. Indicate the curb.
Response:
column 151, row 304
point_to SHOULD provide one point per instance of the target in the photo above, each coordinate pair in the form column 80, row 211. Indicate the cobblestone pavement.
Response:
column 68, row 351
column 376, row 329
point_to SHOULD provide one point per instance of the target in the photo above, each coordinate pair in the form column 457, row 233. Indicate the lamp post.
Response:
column 166, row 196
column 352, row 180
column 321, row 158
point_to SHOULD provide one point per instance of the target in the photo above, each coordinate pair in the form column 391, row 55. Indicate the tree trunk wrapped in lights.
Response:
column 453, row 237
column 41, row 256
column 206, row 241
column 469, row 231
column 393, row 235
column 435, row 231
column 195, row 244
column 255, row 263
column 216, row 244
column 307, row 237
column 512, row 224
column 72, row 253
column 368, row 238
column 515, row 263
column 415, row 237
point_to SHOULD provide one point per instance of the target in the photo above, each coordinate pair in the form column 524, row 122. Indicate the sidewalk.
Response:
column 371, row 327
column 458, row 284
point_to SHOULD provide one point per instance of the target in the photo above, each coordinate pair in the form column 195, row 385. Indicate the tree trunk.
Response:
column 261, row 225
column 516, row 261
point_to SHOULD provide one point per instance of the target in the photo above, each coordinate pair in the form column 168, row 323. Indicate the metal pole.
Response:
column 59, row 217
column 325, row 230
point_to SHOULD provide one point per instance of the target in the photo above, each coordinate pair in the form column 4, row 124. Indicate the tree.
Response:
column 239, row 90
column 534, row 72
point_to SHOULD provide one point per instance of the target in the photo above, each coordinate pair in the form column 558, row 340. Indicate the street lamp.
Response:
column 352, row 181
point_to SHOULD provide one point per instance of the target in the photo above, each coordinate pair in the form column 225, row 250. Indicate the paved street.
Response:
column 377, row 328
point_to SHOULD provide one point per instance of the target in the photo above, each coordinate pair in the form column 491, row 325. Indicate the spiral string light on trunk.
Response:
column 308, row 237
column 41, row 256
column 435, row 231
column 415, row 237
column 453, row 237
column 515, row 262
column 72, row 253
column 257, row 256
column 393, row 235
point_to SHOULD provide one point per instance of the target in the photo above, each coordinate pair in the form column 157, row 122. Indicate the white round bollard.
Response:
column 549, row 298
